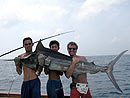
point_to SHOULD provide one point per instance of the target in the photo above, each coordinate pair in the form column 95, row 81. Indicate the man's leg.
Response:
column 25, row 90
column 88, row 95
column 74, row 93
column 51, row 90
column 59, row 87
column 36, row 88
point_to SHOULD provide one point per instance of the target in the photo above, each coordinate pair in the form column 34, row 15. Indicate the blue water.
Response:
column 100, row 85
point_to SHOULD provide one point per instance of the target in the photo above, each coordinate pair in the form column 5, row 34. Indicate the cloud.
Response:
column 94, row 7
column 30, row 11
column 36, row 34
column 33, row 34
column 115, row 39
column 41, row 12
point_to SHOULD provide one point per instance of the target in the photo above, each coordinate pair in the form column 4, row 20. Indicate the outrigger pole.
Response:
column 36, row 42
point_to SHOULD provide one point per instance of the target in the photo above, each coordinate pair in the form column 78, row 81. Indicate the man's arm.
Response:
column 46, row 70
column 19, row 70
column 18, row 65
column 41, row 61
column 39, row 70
column 70, row 70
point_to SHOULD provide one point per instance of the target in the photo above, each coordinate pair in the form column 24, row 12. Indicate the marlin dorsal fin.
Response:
column 39, row 46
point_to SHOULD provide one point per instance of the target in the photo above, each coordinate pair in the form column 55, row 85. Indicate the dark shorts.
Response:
column 55, row 89
column 31, row 89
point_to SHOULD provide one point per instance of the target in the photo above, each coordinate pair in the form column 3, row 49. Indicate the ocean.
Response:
column 99, row 83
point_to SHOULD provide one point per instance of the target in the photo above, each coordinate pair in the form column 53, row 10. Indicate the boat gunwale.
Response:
column 4, row 94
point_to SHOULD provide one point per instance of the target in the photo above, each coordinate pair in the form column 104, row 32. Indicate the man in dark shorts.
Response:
column 31, row 83
column 54, row 85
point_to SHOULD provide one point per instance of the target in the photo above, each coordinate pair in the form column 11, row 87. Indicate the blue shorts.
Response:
column 31, row 89
column 55, row 89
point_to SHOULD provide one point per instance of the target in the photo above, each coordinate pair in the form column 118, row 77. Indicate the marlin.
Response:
column 61, row 62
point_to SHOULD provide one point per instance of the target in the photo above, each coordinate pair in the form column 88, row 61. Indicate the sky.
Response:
column 101, row 27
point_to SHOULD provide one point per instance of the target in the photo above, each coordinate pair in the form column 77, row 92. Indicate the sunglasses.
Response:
column 72, row 48
column 28, row 44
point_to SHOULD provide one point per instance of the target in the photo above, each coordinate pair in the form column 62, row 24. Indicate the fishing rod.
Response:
column 36, row 42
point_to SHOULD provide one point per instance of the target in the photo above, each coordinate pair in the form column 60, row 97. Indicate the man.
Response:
column 31, row 83
column 79, row 85
column 54, row 85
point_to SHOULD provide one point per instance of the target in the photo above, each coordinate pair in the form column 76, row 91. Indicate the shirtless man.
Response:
column 31, row 83
column 77, row 80
column 54, row 85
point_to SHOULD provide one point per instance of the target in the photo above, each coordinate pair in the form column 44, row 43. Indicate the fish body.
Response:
column 61, row 62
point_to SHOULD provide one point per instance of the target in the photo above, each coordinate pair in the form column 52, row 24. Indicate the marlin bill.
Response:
column 58, row 61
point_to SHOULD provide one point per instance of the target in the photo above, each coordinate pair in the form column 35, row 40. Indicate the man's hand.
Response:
column 75, row 60
column 19, row 70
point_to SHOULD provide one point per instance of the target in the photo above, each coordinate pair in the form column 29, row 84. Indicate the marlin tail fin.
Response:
column 110, row 70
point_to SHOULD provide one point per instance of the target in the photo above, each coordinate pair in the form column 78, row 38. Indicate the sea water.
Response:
column 99, row 83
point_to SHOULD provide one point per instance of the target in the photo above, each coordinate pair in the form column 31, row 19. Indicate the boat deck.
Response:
column 4, row 94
